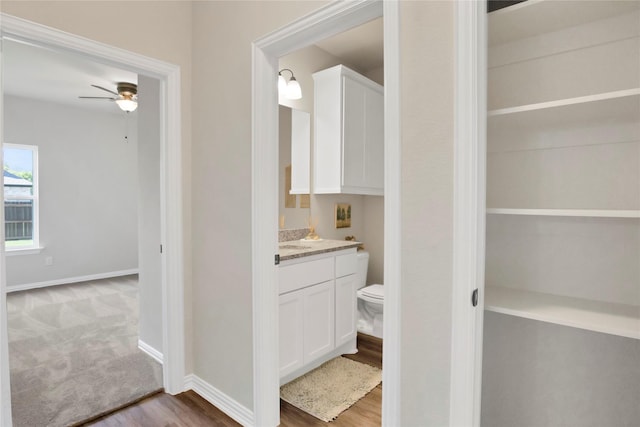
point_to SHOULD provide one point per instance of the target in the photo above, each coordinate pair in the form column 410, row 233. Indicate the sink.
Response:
column 294, row 247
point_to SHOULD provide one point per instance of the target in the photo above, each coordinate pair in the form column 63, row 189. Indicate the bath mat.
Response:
column 331, row 388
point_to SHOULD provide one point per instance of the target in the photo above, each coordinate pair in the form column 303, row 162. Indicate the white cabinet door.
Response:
column 374, row 140
column 291, row 332
column 346, row 309
column 319, row 320
column 363, row 131
column 354, row 133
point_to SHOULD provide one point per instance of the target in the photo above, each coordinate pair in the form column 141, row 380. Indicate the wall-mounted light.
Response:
column 290, row 89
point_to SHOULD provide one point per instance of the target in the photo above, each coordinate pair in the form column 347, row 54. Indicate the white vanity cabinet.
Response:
column 349, row 133
column 317, row 310
column 346, row 298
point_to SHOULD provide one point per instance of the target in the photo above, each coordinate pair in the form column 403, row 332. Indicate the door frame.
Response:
column 469, row 202
column 171, row 211
column 327, row 21
column 469, row 209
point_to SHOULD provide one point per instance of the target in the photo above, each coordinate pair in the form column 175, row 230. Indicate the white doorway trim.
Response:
column 170, row 191
column 469, row 191
column 469, row 212
column 325, row 22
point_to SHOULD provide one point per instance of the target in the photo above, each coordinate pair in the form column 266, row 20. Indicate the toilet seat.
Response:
column 372, row 293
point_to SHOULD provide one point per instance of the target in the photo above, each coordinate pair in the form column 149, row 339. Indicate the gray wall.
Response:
column 150, row 273
column 540, row 374
column 88, row 190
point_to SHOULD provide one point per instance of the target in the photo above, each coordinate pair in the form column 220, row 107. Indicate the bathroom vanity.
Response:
column 318, row 305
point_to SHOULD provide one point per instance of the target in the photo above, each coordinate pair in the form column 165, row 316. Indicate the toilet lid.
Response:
column 373, row 291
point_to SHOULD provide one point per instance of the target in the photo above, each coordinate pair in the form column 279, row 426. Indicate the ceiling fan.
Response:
column 126, row 97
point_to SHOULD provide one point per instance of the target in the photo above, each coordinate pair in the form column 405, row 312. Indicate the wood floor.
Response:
column 190, row 410
column 164, row 410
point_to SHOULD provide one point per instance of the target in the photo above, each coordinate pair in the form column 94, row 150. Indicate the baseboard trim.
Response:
column 77, row 279
column 220, row 400
column 155, row 354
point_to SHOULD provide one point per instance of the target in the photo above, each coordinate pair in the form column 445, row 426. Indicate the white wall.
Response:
column 219, row 322
column 426, row 105
column 150, row 273
column 541, row 374
column 222, row 37
column 88, row 190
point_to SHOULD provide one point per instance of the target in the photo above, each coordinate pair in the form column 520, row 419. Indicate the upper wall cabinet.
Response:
column 349, row 133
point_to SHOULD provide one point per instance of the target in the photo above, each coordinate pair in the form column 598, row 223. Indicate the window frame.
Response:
column 35, row 247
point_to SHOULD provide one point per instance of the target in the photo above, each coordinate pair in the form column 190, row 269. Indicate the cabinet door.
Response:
column 346, row 308
column 363, row 143
column 354, row 133
column 319, row 320
column 291, row 332
column 374, row 140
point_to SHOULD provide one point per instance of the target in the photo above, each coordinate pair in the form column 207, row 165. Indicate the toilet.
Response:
column 370, row 300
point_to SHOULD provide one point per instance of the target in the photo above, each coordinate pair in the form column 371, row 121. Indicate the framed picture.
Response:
column 343, row 215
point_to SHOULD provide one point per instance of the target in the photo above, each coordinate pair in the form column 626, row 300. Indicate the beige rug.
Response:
column 331, row 388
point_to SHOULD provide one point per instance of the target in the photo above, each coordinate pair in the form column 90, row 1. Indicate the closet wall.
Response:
column 562, row 331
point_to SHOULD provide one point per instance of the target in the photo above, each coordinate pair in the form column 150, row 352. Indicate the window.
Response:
column 20, row 179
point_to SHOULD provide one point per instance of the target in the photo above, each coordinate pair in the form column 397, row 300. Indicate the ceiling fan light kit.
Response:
column 126, row 97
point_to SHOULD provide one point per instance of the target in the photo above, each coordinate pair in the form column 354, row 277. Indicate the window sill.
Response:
column 26, row 251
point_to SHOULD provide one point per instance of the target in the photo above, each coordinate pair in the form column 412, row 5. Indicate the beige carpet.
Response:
column 73, row 352
column 331, row 388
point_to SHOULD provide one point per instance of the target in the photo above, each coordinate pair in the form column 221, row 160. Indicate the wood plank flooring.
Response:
column 190, row 410
column 164, row 410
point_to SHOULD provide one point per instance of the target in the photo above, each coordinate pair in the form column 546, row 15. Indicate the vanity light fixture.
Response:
column 290, row 89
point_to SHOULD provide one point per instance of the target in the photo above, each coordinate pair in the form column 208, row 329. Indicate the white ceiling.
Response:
column 40, row 73
column 362, row 47
column 35, row 72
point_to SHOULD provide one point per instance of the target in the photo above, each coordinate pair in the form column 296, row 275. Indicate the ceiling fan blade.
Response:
column 106, row 90
column 97, row 97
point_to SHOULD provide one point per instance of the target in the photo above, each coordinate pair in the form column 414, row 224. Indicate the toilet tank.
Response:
column 363, row 265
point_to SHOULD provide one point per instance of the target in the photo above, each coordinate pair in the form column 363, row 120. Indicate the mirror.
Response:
column 294, row 171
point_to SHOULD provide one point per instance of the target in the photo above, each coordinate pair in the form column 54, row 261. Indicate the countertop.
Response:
column 301, row 248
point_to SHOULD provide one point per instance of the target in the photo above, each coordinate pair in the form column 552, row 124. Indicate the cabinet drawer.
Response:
column 346, row 264
column 298, row 276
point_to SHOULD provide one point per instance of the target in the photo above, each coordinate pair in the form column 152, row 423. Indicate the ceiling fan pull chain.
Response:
column 126, row 127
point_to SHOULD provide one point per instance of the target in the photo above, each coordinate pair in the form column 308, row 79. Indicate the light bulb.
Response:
column 293, row 89
column 127, row 105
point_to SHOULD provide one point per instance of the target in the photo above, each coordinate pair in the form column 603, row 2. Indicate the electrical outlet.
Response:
column 48, row 260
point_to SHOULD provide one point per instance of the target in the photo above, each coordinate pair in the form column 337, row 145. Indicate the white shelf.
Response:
column 568, row 102
column 593, row 213
column 609, row 318
column 617, row 106
column 534, row 17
